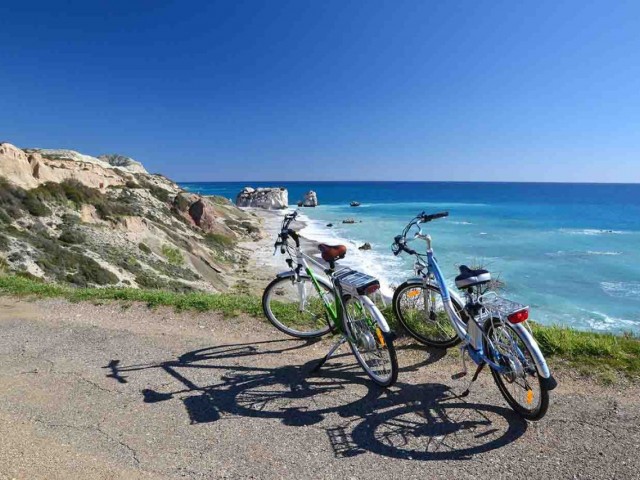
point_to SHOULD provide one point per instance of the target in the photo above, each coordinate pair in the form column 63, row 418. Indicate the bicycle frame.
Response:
column 335, row 310
column 472, row 333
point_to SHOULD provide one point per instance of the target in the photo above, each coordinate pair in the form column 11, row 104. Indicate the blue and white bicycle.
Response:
column 493, row 330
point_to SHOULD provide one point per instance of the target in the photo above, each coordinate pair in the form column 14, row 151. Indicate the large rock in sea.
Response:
column 269, row 198
column 310, row 199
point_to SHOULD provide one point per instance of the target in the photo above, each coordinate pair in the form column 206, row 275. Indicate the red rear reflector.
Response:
column 371, row 288
column 519, row 316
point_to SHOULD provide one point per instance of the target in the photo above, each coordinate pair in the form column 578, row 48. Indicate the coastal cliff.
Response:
column 98, row 221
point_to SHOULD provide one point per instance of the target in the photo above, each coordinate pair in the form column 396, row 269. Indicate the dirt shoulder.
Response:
column 121, row 391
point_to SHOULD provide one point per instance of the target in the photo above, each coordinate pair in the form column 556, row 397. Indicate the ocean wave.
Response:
column 461, row 223
column 621, row 289
column 602, row 322
column 592, row 231
column 385, row 267
column 563, row 253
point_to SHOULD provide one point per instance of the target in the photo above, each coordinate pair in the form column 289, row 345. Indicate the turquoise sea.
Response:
column 570, row 251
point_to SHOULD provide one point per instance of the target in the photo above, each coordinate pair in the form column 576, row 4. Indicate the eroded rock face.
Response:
column 269, row 198
column 310, row 199
column 30, row 168
column 201, row 212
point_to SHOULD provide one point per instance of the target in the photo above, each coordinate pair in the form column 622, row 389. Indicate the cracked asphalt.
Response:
column 120, row 391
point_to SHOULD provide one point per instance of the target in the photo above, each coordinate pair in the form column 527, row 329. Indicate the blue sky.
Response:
column 330, row 90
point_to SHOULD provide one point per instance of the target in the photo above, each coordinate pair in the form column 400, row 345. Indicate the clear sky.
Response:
column 330, row 90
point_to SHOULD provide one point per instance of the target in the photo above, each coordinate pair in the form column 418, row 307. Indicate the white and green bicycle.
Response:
column 304, row 305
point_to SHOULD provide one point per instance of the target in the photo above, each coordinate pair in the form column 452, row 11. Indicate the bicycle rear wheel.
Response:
column 521, row 384
column 420, row 310
column 372, row 347
column 294, row 306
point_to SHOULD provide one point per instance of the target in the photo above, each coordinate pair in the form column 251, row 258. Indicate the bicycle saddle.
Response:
column 470, row 278
column 331, row 253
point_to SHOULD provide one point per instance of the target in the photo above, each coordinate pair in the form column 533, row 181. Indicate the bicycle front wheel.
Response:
column 420, row 310
column 372, row 347
column 520, row 382
column 295, row 307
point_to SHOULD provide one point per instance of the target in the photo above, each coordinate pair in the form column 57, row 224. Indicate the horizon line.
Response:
column 248, row 182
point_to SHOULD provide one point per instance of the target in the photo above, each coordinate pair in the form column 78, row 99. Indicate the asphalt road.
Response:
column 112, row 391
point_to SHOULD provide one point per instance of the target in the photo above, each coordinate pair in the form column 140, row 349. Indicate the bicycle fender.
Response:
column 531, row 343
column 377, row 314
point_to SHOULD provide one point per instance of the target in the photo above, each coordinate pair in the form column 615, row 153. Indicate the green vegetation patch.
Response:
column 591, row 352
column 229, row 304
column 218, row 241
column 173, row 255
column 4, row 243
column 144, row 248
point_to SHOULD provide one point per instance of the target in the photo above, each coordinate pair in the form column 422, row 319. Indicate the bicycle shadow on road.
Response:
column 421, row 422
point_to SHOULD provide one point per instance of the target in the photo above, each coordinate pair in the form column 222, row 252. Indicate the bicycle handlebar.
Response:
column 424, row 218
column 286, row 232
column 400, row 241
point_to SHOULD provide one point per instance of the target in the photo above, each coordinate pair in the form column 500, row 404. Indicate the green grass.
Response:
column 603, row 356
column 229, row 304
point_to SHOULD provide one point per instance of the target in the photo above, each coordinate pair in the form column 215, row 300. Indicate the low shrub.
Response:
column 144, row 248
column 173, row 255
column 5, row 217
column 72, row 236
column 160, row 193
column 219, row 241
column 4, row 243
column 35, row 206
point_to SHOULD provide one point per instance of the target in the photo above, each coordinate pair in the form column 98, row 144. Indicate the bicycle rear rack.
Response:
column 355, row 283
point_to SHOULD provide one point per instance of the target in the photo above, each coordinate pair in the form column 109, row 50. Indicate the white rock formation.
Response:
column 32, row 167
column 310, row 199
column 270, row 198
column 120, row 161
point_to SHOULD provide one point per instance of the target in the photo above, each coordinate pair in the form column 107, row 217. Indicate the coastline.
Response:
column 263, row 265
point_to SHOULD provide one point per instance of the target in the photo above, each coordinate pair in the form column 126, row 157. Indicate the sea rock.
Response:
column 310, row 199
column 329, row 224
column 365, row 246
column 355, row 204
column 349, row 220
column 269, row 198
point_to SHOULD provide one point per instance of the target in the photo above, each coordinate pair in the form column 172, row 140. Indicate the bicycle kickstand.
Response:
column 473, row 379
column 333, row 350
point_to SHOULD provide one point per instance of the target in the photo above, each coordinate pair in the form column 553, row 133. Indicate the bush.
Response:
column 173, row 255
column 219, row 241
column 72, row 236
column 181, row 203
column 4, row 243
column 130, row 264
column 35, row 206
column 144, row 248
column 4, row 217
column 67, row 265
column 160, row 193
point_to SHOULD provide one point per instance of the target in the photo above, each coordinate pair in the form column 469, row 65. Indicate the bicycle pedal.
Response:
column 459, row 375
